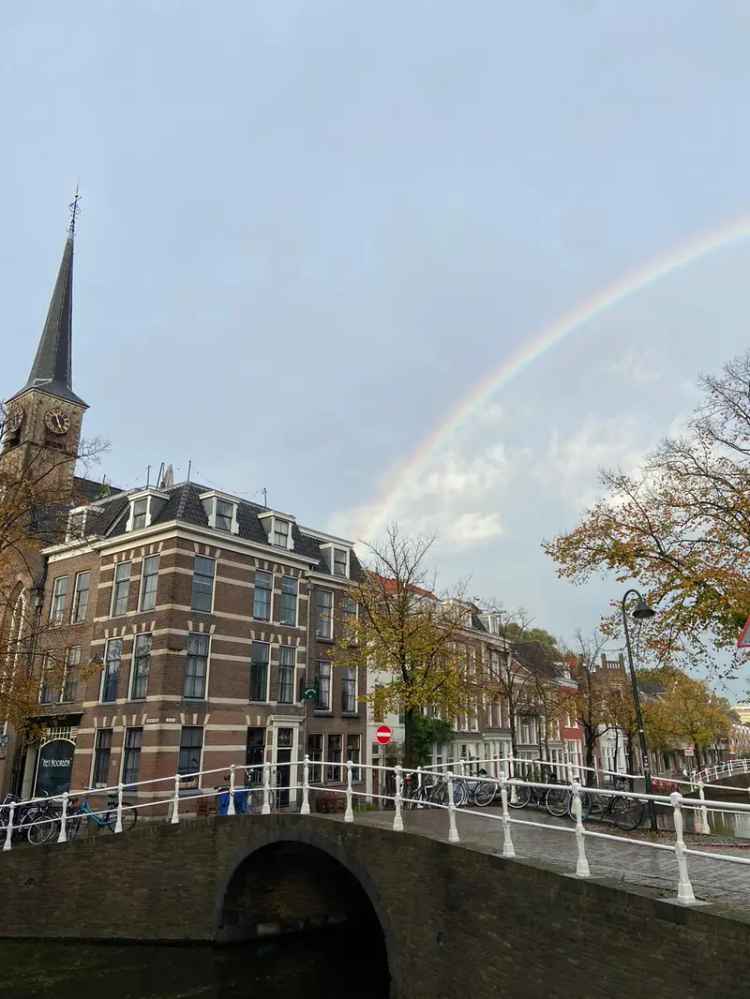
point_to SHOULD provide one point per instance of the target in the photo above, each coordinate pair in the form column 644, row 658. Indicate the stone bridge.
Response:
column 451, row 921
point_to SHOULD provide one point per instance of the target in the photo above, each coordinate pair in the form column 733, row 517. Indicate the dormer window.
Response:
column 76, row 524
column 221, row 511
column 278, row 529
column 144, row 508
column 341, row 562
column 280, row 536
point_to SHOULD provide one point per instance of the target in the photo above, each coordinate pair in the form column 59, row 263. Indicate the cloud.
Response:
column 635, row 367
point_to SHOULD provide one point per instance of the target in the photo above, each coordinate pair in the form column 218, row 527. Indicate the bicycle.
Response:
column 624, row 812
column 107, row 820
column 28, row 820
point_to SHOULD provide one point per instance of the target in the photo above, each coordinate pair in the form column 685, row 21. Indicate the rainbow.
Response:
column 382, row 509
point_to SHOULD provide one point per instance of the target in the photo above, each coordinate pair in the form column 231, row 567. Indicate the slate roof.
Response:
column 52, row 369
column 184, row 504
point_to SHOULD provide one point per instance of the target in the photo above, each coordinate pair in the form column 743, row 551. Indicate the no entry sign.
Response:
column 383, row 735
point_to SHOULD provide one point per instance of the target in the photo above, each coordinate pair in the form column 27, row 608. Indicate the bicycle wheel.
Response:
column 484, row 792
column 557, row 801
column 627, row 813
column 129, row 818
column 519, row 795
column 42, row 830
column 73, row 826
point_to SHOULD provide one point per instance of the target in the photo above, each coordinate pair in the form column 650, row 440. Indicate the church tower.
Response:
column 43, row 419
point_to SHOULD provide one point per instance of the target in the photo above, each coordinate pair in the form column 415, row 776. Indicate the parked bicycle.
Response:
column 624, row 812
column 105, row 819
column 34, row 820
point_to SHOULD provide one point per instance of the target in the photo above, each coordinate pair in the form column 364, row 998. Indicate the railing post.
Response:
column 63, row 836
column 305, row 809
column 118, row 821
column 453, row 836
column 230, row 806
column 582, row 864
column 508, row 849
column 684, row 888
column 349, row 813
column 705, row 828
column 266, row 809
column 419, row 787
column 176, row 801
column 398, row 822
column 9, row 827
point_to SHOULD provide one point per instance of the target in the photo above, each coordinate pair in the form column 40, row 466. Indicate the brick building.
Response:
column 208, row 617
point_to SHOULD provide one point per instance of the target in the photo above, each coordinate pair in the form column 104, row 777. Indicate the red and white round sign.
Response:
column 383, row 735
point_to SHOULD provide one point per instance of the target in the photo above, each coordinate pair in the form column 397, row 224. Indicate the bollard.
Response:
column 305, row 809
column 508, row 850
column 9, row 827
column 453, row 836
column 582, row 864
column 705, row 828
column 230, row 807
column 176, row 801
column 63, row 836
column 118, row 821
column 349, row 813
column 684, row 888
column 398, row 822
column 266, row 809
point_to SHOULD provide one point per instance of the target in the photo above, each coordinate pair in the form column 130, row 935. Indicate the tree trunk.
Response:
column 589, row 774
column 410, row 761
column 698, row 759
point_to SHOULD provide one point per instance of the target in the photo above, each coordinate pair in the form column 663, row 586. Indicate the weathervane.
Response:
column 73, row 206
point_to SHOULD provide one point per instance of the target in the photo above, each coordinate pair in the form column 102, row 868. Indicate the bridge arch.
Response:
column 303, row 883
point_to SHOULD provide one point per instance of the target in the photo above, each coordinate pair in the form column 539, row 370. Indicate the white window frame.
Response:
column 56, row 620
column 79, row 511
column 115, row 567
column 142, row 588
column 74, row 601
column 269, row 522
column 202, row 634
column 324, row 589
column 134, row 663
column 281, row 594
column 293, row 650
column 149, row 495
column 355, row 711
column 208, row 558
column 121, row 640
column 210, row 501
column 267, row 698
column 329, row 548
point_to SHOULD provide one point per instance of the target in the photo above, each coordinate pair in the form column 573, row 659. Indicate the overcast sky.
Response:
column 308, row 231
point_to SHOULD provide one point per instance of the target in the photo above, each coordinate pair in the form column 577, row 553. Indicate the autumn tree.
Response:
column 686, row 711
column 36, row 495
column 681, row 527
column 411, row 639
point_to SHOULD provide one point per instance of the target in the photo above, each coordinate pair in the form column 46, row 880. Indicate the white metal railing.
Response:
column 717, row 770
column 57, row 812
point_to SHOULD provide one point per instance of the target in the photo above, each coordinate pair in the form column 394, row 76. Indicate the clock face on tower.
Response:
column 57, row 421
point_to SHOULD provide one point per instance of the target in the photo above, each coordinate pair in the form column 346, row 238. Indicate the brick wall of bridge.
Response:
column 456, row 921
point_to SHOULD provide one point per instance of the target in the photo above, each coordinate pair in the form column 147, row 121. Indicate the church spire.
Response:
column 51, row 371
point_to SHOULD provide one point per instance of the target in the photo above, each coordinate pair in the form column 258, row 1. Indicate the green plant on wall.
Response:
column 427, row 732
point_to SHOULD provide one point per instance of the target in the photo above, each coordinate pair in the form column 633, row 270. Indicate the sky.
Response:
column 309, row 230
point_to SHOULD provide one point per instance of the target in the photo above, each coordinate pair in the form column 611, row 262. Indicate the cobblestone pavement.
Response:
column 717, row 881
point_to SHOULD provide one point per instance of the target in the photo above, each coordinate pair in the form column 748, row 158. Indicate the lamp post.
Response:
column 642, row 612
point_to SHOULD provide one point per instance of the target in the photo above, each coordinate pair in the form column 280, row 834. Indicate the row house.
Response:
column 209, row 620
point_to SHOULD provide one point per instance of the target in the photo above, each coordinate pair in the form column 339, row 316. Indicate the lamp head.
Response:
column 643, row 612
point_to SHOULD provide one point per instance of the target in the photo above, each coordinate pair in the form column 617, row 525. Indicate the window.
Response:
column 132, row 758
column 141, row 667
column 286, row 674
column 340, row 562
column 203, row 583
column 139, row 514
column 197, row 666
column 254, row 756
column 259, row 672
column 121, row 589
column 378, row 704
column 324, row 614
column 262, row 598
column 76, row 525
column 315, row 752
column 46, row 693
column 102, row 751
column 59, row 593
column 349, row 617
column 352, row 753
column 324, row 686
column 191, row 744
column 280, row 535
column 224, row 515
column 81, row 597
column 70, row 680
column 348, row 690
column 111, row 669
column 333, row 760
column 288, row 601
column 149, row 580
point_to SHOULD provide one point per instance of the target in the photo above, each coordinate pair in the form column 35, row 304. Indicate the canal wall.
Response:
column 456, row 922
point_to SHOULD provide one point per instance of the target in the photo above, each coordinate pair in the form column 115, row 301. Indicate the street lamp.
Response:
column 642, row 612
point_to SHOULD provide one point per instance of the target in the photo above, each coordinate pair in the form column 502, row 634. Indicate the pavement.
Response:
column 719, row 882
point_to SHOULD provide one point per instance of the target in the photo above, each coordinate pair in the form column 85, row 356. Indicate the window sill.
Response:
column 322, row 713
column 326, row 641
column 350, row 714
